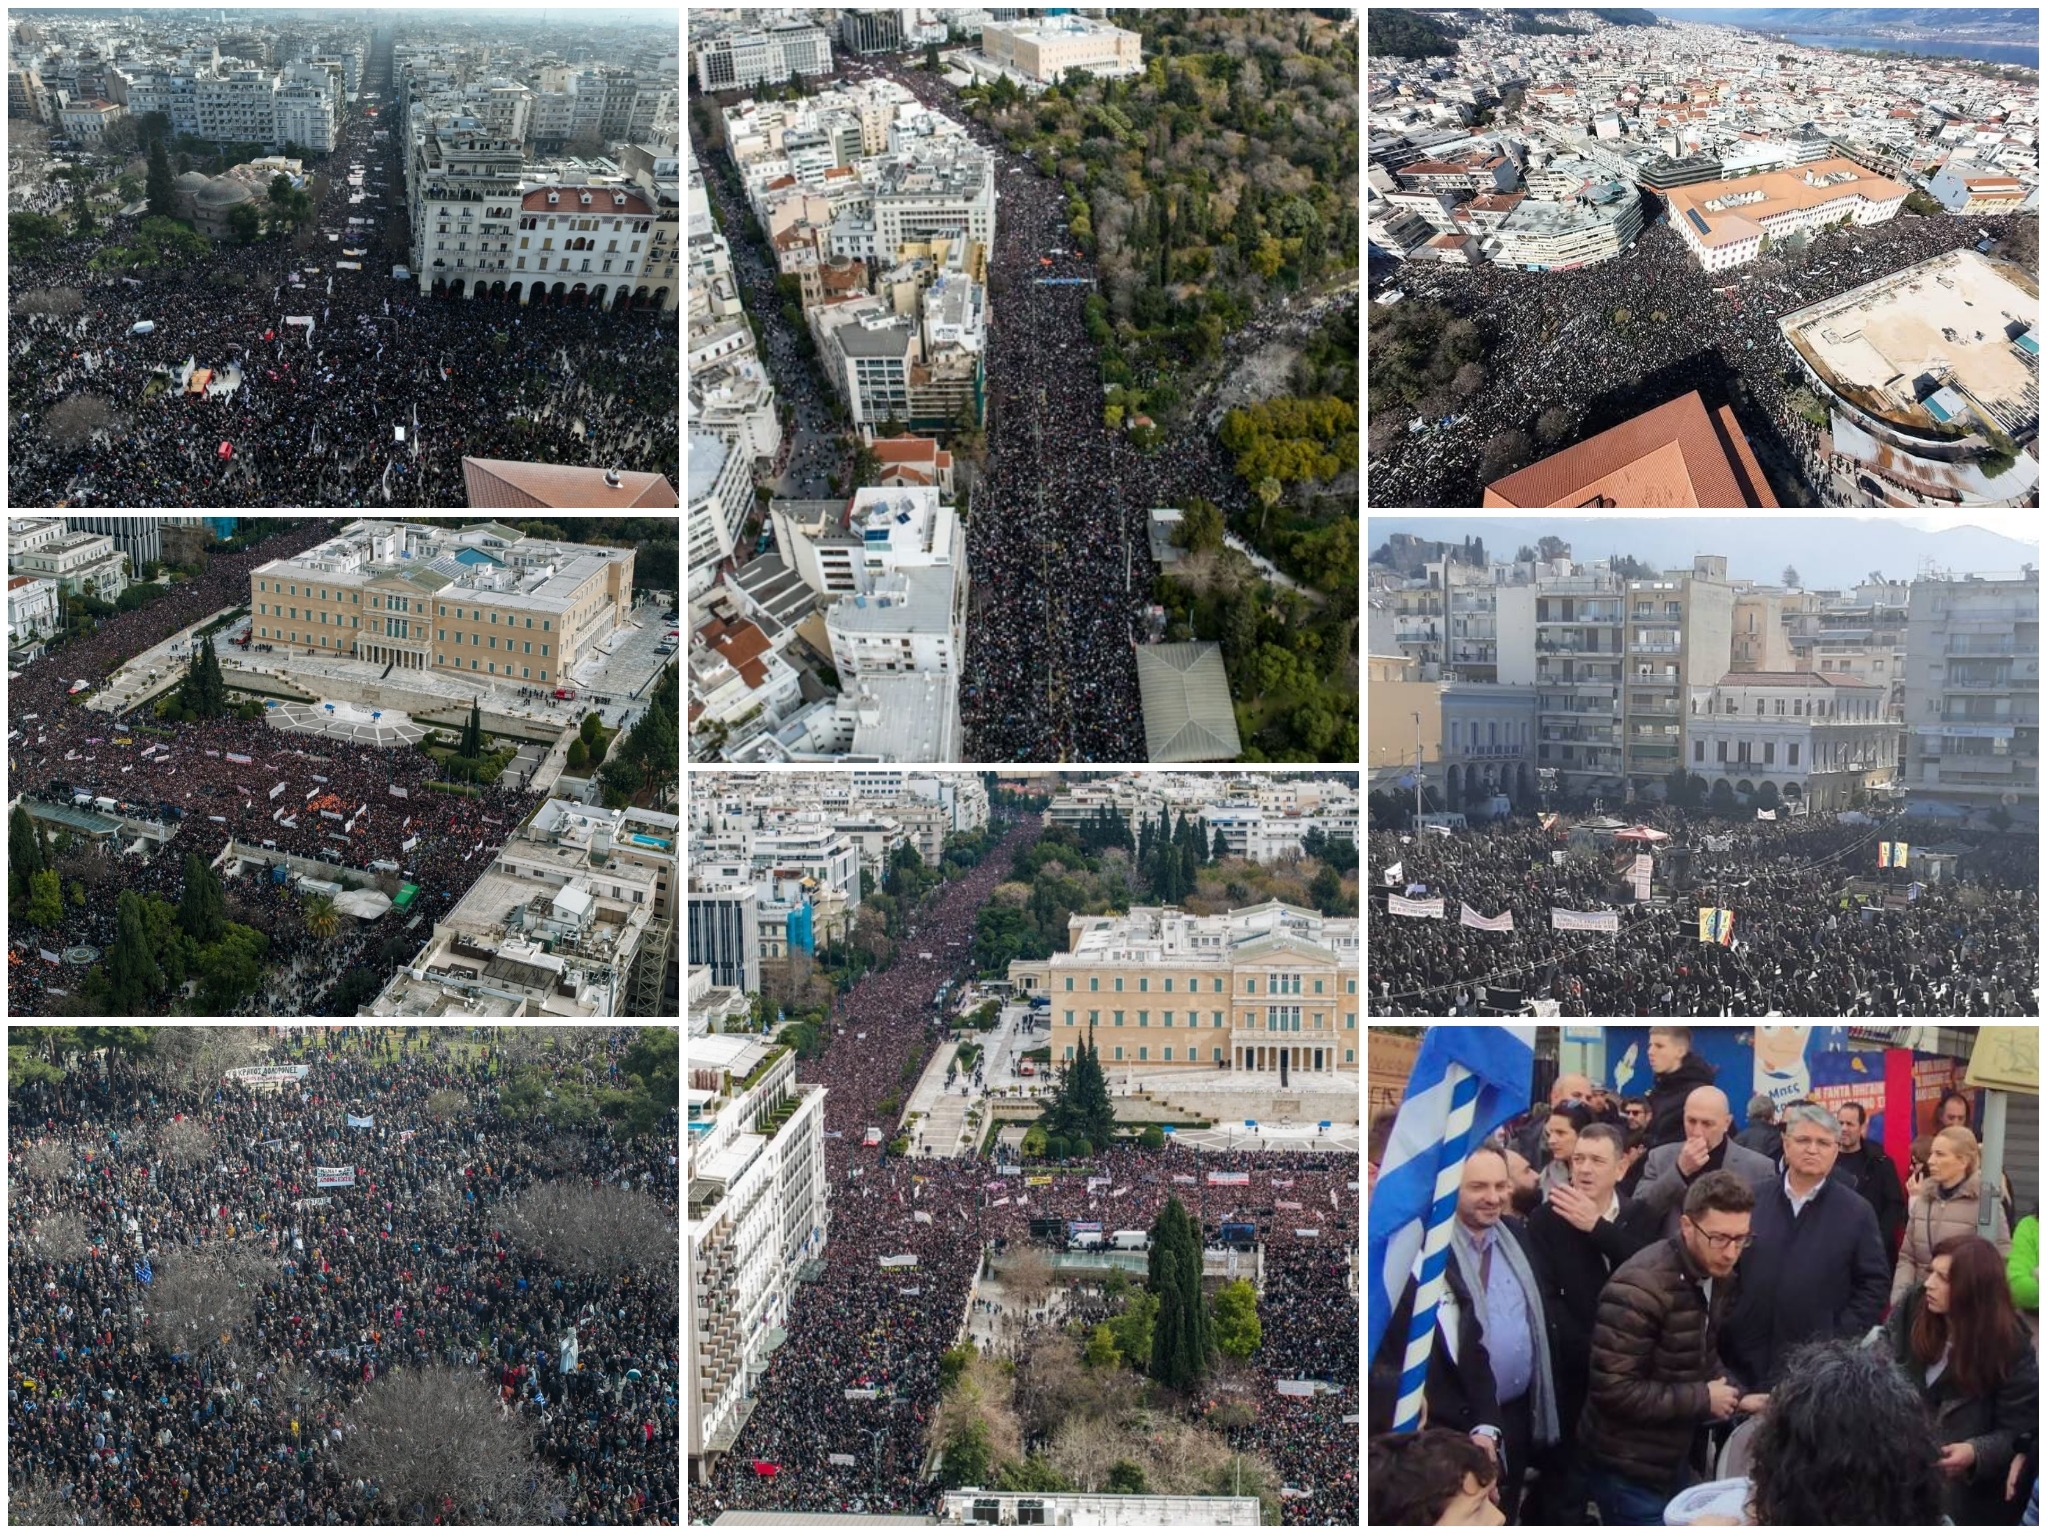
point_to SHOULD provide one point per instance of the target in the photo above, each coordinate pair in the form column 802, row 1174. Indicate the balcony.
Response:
column 1573, row 648
column 1655, row 711
column 1652, row 648
column 1650, row 751
column 1595, row 619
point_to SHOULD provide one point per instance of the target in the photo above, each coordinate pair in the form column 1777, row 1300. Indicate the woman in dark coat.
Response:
column 1960, row 1342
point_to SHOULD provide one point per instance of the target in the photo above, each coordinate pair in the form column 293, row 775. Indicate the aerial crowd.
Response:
column 1802, row 944
column 410, row 1266
column 1050, row 672
column 1560, row 347
column 57, row 748
column 316, row 418
column 862, row 1327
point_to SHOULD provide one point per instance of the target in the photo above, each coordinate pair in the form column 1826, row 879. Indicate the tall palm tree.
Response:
column 321, row 917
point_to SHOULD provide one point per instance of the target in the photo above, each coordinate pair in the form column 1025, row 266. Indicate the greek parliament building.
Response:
column 484, row 600
column 1270, row 988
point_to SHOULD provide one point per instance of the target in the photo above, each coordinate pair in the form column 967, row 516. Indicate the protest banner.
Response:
column 334, row 1177
column 1585, row 921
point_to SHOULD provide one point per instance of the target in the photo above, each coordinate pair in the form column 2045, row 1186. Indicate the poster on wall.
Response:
column 1776, row 1061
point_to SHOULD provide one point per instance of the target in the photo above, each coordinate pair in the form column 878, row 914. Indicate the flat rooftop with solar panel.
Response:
column 1949, row 342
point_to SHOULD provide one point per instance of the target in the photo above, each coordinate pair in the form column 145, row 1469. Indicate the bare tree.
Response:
column 33, row 1501
column 61, row 1237
column 439, row 1446
column 592, row 1231
column 183, row 1142
column 50, row 301
column 71, row 423
column 197, row 1057
column 49, row 1160
column 448, row 1104
column 200, row 1294
column 1028, row 1276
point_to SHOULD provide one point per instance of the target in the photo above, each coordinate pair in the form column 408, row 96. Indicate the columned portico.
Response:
column 379, row 655
column 1315, row 1059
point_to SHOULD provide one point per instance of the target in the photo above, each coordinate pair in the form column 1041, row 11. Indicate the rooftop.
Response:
column 1768, row 194
column 1794, row 680
column 1889, row 346
column 1678, row 454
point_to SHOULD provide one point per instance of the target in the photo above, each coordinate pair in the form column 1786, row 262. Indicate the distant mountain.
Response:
column 1982, row 24
column 1826, row 551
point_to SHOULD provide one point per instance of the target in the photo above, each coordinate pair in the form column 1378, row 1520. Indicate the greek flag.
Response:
column 1466, row 1082
column 143, row 1272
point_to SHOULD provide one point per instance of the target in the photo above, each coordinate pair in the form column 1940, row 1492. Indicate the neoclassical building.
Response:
column 1268, row 988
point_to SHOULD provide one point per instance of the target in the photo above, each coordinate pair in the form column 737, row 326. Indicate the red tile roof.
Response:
column 508, row 482
column 570, row 200
column 1676, row 455
column 741, row 645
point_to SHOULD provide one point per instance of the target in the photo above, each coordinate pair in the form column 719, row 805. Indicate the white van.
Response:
column 1130, row 1241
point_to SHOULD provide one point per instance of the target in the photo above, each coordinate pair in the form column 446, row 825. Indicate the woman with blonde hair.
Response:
column 1944, row 1204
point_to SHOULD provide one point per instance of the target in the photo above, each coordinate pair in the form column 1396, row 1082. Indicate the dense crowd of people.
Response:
column 1802, row 943
column 864, row 1327
column 375, row 799
column 1763, row 1328
column 1562, row 350
column 1056, row 530
column 313, row 421
column 410, row 1267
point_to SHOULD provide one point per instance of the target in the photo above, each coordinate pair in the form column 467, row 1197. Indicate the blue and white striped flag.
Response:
column 1467, row 1081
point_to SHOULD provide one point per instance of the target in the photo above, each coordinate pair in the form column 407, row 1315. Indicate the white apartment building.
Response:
column 1812, row 736
column 587, row 240
column 306, row 116
column 738, row 60
column 1973, row 696
column 945, row 191
column 32, row 612
column 721, row 496
column 759, row 1212
column 239, row 108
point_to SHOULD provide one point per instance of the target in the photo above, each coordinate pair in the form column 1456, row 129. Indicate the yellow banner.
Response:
column 1037, row 1179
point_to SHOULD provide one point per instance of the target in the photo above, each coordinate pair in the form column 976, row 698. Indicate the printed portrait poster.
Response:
column 1777, row 1062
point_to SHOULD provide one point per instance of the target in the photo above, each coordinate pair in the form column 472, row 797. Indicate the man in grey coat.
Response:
column 1707, row 1147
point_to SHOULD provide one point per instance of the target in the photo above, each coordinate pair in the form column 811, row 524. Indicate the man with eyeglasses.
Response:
column 1655, row 1379
column 1817, row 1269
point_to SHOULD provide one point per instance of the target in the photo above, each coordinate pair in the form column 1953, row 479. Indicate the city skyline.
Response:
column 1624, row 258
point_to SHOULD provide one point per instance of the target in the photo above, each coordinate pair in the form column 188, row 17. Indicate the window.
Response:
column 544, row 624
column 1781, row 706
column 1119, row 1053
column 543, row 650
column 1119, row 984
column 1095, row 983
column 1699, row 751
column 543, row 674
column 1215, row 1020
column 441, row 635
column 1798, row 706
column 1070, row 983
column 1094, row 1017
column 1117, row 1017
column 1141, row 1052
column 1144, row 983
column 1759, row 708
column 1251, row 985
column 1169, row 1052
column 1166, row 1020
column 1070, row 1017
column 526, row 671
column 1720, row 751
column 1770, row 752
column 1218, row 985
column 1169, row 983
column 1144, row 1018
column 1792, row 755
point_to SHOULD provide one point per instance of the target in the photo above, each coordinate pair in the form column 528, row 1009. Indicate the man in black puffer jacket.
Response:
column 1677, row 1071
column 1655, row 1377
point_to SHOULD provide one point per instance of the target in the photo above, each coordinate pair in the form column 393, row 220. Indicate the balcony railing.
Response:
column 1660, row 711
column 1983, row 684
column 1652, row 648
column 1573, row 648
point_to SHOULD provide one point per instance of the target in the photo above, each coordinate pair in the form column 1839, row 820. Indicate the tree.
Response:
column 1234, row 1317
column 1180, row 1336
column 1788, row 577
column 197, row 1294
column 45, row 899
column 183, row 1142
column 1721, row 800
column 186, row 1060
column 434, row 1444
column 591, row 729
column 1101, row 1353
column 1551, row 547
column 1767, row 796
column 579, row 755
column 1554, row 424
column 73, row 421
column 24, row 852
column 1126, row 1476
column 31, row 234
column 472, row 733
column 202, row 913
column 931, row 58
column 1132, row 1327
column 81, row 210
column 1469, row 381
column 245, row 223
column 597, row 1233
column 1505, row 452
column 322, row 919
